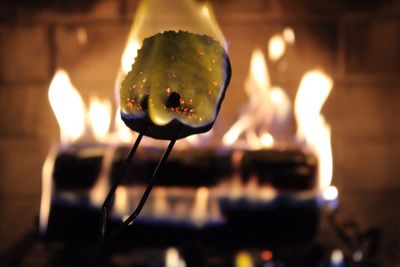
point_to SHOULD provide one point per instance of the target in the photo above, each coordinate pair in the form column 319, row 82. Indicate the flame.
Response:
column 129, row 54
column 100, row 117
column 267, row 107
column 199, row 211
column 314, row 89
column 173, row 259
column 121, row 205
column 330, row 193
column 244, row 259
column 155, row 16
column 68, row 107
column 98, row 192
column 161, row 208
column 276, row 47
column 47, row 189
column 123, row 134
column 288, row 35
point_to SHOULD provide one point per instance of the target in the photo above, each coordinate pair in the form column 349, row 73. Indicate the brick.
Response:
column 26, row 112
column 374, row 108
column 21, row 165
column 93, row 66
column 24, row 53
column 372, row 48
column 18, row 215
column 375, row 208
column 70, row 12
column 366, row 164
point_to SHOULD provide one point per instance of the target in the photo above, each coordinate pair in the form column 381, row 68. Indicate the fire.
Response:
column 266, row 104
column 288, row 35
column 200, row 211
column 276, row 47
column 68, row 107
column 314, row 89
column 121, row 205
column 123, row 134
column 173, row 258
column 100, row 118
column 155, row 16
column 47, row 189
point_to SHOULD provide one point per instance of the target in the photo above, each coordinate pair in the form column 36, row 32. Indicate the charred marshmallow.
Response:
column 178, row 81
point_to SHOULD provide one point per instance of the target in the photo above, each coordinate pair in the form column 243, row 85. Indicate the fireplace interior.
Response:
column 255, row 191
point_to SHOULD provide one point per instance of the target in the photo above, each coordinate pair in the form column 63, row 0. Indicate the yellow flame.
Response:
column 173, row 259
column 155, row 16
column 129, row 55
column 266, row 106
column 288, row 35
column 276, row 47
column 98, row 192
column 209, row 18
column 267, row 140
column 68, row 107
column 121, row 205
column 200, row 211
column 280, row 105
column 123, row 134
column 330, row 193
column 312, row 129
column 161, row 208
column 244, row 259
column 100, row 117
column 47, row 188
column 258, row 80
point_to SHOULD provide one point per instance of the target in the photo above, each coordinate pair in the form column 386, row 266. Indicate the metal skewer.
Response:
column 107, row 203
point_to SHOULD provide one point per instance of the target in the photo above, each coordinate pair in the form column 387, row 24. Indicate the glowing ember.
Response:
column 312, row 129
column 68, row 107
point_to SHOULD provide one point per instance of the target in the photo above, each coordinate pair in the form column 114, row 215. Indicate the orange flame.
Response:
column 47, row 188
column 276, row 47
column 68, row 107
column 200, row 211
column 314, row 89
column 265, row 104
column 155, row 16
column 100, row 118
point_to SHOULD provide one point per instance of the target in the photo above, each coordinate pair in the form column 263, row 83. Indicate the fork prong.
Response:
column 110, row 196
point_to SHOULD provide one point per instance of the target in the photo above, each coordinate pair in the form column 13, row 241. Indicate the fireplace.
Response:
column 274, row 48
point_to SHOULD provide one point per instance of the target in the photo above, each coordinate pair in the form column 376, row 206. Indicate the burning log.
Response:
column 77, row 168
column 187, row 168
column 284, row 170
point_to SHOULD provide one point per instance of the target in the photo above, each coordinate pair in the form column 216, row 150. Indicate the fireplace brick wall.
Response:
column 356, row 42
